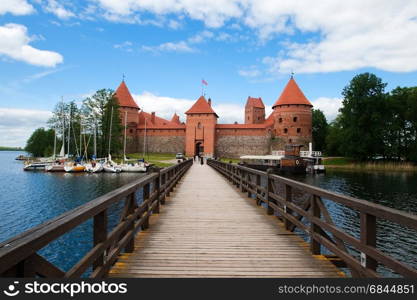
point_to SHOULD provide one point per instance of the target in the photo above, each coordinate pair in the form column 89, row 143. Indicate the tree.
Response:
column 41, row 142
column 334, row 138
column 401, row 127
column 363, row 117
column 97, row 115
column 319, row 130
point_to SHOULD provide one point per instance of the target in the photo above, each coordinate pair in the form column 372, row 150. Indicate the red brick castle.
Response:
column 289, row 123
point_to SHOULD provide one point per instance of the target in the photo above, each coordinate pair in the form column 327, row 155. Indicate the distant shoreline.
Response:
column 11, row 149
column 349, row 164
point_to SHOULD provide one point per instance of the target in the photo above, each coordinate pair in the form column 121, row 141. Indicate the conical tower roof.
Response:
column 124, row 96
column 201, row 106
column 292, row 94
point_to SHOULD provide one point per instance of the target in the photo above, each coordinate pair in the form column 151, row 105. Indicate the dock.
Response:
column 209, row 229
column 214, row 220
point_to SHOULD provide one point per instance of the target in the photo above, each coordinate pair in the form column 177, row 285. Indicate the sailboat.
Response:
column 94, row 166
column 138, row 166
column 110, row 166
column 76, row 166
column 57, row 165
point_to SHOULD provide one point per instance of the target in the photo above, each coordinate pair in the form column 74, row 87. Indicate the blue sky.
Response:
column 54, row 48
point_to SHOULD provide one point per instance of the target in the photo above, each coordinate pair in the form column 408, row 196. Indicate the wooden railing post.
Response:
column 248, row 184
column 157, row 187
column 130, row 246
column 241, row 175
column 368, row 237
column 269, row 209
column 258, row 184
column 146, row 192
column 99, row 235
column 315, row 246
column 162, row 182
column 288, row 198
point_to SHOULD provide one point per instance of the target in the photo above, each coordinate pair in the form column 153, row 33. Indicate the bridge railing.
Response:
column 312, row 217
column 19, row 257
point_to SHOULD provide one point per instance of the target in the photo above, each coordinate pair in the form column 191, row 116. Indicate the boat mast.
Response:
column 81, row 141
column 62, row 152
column 124, row 146
column 54, row 156
column 95, row 138
column 111, row 124
column 144, row 141
column 69, row 130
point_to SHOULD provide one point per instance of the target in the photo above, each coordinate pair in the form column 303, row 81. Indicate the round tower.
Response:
column 292, row 117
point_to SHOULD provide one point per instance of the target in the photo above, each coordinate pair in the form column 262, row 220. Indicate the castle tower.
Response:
column 129, row 109
column 200, row 128
column 292, row 116
column 127, row 104
column 254, row 111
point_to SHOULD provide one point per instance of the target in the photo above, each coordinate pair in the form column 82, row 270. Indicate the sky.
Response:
column 53, row 49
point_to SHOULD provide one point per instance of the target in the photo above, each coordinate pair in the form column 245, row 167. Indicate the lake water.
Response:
column 30, row 198
column 396, row 190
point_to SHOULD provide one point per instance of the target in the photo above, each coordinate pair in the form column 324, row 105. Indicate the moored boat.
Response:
column 74, row 168
column 138, row 167
column 94, row 167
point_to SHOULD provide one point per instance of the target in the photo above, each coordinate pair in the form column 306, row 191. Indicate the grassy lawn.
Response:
column 337, row 161
column 349, row 163
column 155, row 158
column 233, row 160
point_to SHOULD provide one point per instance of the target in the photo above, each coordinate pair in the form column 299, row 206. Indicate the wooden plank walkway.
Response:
column 209, row 229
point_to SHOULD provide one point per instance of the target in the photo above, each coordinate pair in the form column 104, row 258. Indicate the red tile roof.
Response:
column 158, row 122
column 175, row 119
column 201, row 106
column 255, row 102
column 292, row 94
column 124, row 96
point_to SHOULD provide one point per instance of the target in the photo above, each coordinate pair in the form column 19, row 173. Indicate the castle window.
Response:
column 131, row 130
column 199, row 125
column 290, row 140
column 259, row 118
column 248, row 117
column 294, row 119
column 285, row 130
column 280, row 120
column 298, row 130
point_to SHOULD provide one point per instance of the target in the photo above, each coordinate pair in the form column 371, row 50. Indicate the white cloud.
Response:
column 58, row 9
column 213, row 13
column 329, row 106
column 125, row 46
column 337, row 35
column 16, row 7
column 16, row 125
column 181, row 46
column 14, row 43
column 251, row 72
column 165, row 107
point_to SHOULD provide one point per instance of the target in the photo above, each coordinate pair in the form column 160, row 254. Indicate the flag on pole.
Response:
column 204, row 82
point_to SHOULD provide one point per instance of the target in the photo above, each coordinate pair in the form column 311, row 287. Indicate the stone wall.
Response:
column 161, row 144
column 235, row 146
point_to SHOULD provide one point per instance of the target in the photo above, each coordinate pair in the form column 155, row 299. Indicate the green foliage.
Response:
column 334, row 138
column 41, row 142
column 11, row 148
column 363, row 116
column 78, row 124
column 373, row 123
column 319, row 130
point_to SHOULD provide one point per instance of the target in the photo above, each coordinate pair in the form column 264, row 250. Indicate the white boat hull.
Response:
column 112, row 169
column 96, row 169
column 55, row 168
column 134, row 168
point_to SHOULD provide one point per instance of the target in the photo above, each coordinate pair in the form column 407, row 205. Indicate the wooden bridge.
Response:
column 241, row 224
